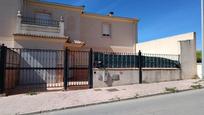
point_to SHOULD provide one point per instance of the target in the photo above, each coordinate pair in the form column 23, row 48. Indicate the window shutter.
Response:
column 106, row 29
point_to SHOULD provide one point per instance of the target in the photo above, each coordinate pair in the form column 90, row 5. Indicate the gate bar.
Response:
column 90, row 69
column 65, row 68
column 2, row 68
column 140, row 66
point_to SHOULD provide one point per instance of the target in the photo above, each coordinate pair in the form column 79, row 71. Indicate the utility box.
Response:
column 100, row 77
column 105, row 76
column 115, row 77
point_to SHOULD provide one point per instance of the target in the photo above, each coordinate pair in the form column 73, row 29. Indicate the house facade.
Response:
column 43, row 25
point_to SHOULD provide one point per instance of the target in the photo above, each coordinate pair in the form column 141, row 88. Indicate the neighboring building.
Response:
column 44, row 25
column 183, row 45
column 168, row 45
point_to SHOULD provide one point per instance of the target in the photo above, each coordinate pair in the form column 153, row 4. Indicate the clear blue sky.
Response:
column 158, row 18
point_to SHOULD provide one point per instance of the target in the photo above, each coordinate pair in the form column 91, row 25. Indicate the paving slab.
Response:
column 58, row 100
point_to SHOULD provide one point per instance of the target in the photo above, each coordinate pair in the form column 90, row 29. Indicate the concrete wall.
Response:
column 188, row 59
column 131, row 76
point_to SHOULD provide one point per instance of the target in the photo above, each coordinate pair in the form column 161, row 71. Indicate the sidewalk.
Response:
column 48, row 101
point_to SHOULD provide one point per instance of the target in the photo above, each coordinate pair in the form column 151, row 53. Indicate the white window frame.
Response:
column 106, row 34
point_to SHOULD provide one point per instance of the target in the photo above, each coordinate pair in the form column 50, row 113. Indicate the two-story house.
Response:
column 44, row 25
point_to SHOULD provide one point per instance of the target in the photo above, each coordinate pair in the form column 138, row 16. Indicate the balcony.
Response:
column 39, row 22
column 39, row 27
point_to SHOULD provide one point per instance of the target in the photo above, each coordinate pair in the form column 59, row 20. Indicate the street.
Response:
column 185, row 103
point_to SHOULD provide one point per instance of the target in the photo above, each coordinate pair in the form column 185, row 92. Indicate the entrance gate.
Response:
column 24, row 70
column 78, row 69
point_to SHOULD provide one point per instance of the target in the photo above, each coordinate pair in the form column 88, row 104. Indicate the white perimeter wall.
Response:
column 131, row 76
column 199, row 70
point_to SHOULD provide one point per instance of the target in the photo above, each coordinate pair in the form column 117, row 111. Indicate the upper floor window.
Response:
column 45, row 16
column 106, row 29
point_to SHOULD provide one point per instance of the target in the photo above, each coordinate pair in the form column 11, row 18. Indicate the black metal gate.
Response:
column 78, row 69
column 24, row 70
column 33, row 69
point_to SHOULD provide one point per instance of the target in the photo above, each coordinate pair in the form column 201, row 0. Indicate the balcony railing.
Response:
column 32, row 25
column 40, row 22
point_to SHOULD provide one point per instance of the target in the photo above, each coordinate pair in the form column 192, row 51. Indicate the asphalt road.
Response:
column 185, row 103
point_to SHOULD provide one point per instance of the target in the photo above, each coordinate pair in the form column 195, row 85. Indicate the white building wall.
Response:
column 123, row 34
column 168, row 45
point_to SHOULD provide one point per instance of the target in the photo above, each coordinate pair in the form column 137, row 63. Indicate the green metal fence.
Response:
column 115, row 60
column 131, row 60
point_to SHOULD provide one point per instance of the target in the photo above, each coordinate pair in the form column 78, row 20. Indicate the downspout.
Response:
column 202, row 31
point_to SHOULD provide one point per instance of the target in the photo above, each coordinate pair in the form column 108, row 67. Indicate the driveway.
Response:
column 186, row 103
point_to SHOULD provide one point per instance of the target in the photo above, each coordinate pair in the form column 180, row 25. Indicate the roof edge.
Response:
column 170, row 37
column 56, row 4
column 81, row 9
column 110, row 17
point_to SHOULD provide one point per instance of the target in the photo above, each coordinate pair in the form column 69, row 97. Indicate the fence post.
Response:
column 2, row 68
column 90, row 79
column 140, row 67
column 66, row 68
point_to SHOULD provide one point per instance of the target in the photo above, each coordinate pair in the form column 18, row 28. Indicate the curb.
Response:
column 106, row 102
column 3, row 95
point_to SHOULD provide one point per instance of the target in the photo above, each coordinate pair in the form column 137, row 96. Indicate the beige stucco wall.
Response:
column 38, row 43
column 8, row 11
column 168, row 45
column 71, row 18
column 77, row 26
column 123, row 34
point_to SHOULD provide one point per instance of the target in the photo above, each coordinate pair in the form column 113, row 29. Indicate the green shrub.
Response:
column 199, row 56
column 171, row 90
column 196, row 86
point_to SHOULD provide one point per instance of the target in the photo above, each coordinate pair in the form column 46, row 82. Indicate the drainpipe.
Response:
column 202, row 31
